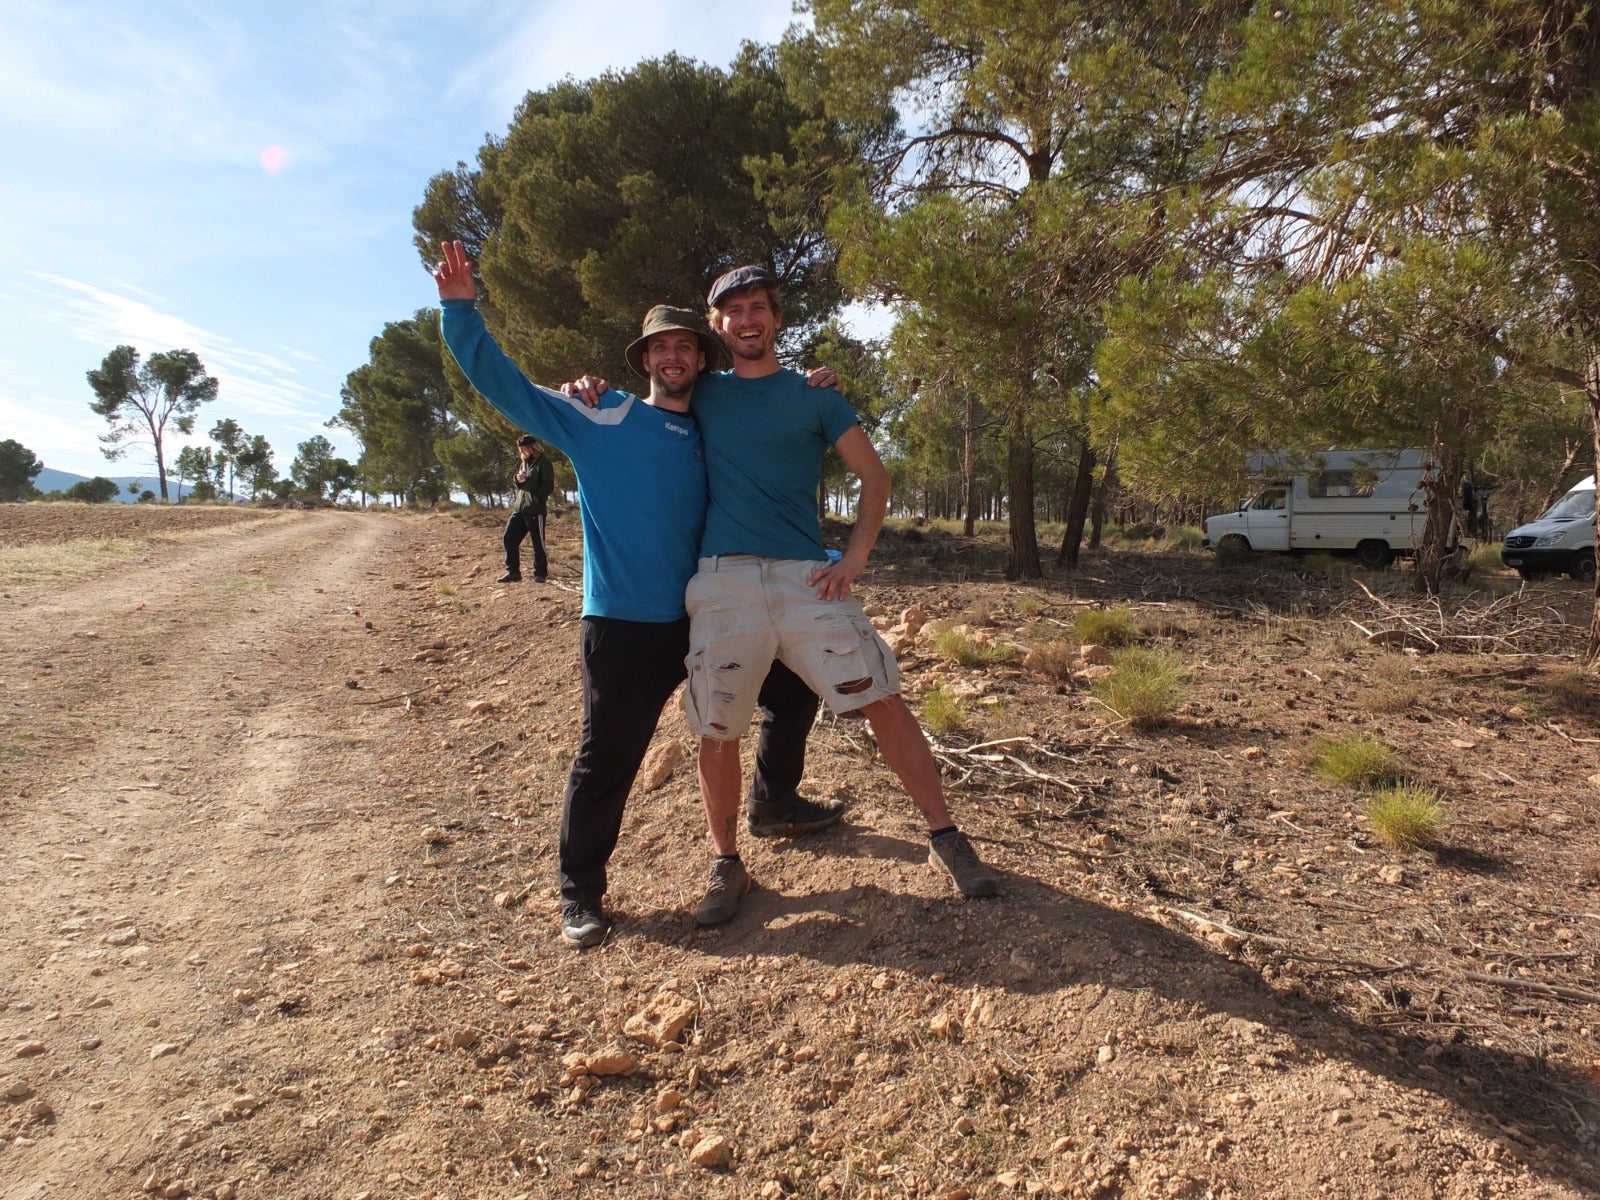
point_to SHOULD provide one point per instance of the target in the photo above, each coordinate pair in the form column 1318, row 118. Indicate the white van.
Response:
column 1366, row 503
column 1560, row 542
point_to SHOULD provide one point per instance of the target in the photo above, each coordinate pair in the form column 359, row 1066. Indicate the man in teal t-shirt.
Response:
column 765, row 589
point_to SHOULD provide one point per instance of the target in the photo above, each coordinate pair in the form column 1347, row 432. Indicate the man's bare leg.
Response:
column 905, row 749
column 719, row 789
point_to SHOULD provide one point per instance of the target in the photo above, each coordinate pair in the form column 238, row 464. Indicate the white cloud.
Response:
column 255, row 382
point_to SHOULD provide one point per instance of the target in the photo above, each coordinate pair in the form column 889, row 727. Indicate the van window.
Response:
column 1574, row 506
column 1270, row 498
column 1322, row 485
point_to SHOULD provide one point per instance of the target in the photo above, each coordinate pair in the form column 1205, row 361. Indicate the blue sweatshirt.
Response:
column 641, row 476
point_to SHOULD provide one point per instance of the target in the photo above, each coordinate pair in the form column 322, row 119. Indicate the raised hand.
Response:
column 454, row 274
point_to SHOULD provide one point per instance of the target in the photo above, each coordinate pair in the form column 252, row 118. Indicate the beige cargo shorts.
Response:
column 745, row 612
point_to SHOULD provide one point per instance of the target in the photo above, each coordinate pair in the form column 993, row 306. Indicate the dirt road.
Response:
column 182, row 813
column 277, row 921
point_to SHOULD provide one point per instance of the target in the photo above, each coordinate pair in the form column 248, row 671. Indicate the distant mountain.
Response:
column 51, row 480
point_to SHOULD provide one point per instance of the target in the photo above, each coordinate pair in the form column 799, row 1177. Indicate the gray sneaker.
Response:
column 953, row 854
column 728, row 884
column 582, row 924
column 794, row 819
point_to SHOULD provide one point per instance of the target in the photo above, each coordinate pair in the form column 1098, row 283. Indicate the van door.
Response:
column 1267, row 519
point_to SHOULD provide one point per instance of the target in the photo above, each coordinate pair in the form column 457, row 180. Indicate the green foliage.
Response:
column 637, row 187
column 231, row 442
column 254, row 462
column 1112, row 627
column 943, row 713
column 98, row 490
column 1406, row 816
column 399, row 405
column 140, row 399
column 1359, row 761
column 1145, row 687
column 193, row 464
column 318, row 473
column 962, row 649
column 19, row 467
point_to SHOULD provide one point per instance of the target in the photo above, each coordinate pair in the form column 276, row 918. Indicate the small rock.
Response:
column 1105, row 1054
column 1254, row 753
column 944, row 1025
column 1395, row 875
column 964, row 1126
column 1339, row 1117
column 17, row 1089
column 611, row 1062
column 658, row 765
column 669, row 1100
column 121, row 937
column 40, row 1110
column 713, row 1152
column 29, row 1049
column 162, row 1049
column 479, row 708
column 663, row 1021
column 1010, row 1180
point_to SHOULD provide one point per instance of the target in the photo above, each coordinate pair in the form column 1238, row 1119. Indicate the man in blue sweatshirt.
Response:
column 642, row 494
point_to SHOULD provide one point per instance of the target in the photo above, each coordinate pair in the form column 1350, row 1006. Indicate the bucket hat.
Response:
column 663, row 318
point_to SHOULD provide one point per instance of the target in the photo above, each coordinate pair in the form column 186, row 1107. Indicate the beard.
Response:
column 675, row 391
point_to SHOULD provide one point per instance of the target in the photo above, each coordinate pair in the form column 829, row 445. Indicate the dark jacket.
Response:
column 536, row 479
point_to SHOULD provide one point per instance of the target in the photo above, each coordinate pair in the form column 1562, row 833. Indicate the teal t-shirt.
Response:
column 641, row 476
column 765, row 440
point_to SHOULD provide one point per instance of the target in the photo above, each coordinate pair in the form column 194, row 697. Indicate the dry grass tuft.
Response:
column 1358, row 761
column 1406, row 816
column 1145, row 687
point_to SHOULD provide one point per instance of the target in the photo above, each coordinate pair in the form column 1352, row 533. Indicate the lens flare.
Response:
column 272, row 159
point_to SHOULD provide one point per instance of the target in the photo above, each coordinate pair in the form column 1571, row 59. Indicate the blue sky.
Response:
column 238, row 179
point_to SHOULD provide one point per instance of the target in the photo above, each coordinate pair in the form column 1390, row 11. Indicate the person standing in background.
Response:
column 535, row 481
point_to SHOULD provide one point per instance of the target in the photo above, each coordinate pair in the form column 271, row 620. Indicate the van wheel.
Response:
column 1233, row 546
column 1373, row 554
column 1581, row 565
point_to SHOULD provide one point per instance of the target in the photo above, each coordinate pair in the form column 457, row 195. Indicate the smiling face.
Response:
column 748, row 321
column 673, row 360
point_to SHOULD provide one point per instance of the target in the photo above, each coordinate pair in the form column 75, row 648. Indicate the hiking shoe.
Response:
column 791, row 820
column 727, row 886
column 953, row 854
column 583, row 924
column 541, row 577
column 510, row 577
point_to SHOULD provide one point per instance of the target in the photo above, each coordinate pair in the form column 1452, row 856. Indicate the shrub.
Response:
column 943, row 713
column 1106, row 626
column 1144, row 688
column 1405, row 816
column 1052, row 659
column 1362, row 762
column 962, row 650
column 1185, row 537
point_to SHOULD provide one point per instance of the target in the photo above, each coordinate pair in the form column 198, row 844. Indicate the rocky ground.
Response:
column 280, row 794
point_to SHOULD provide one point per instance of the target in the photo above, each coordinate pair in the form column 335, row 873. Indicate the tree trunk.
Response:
column 1023, row 562
column 1443, row 490
column 1591, row 386
column 1077, row 507
column 1107, row 488
column 969, row 468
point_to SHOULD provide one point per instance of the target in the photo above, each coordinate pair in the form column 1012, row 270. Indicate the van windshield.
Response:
column 1574, row 506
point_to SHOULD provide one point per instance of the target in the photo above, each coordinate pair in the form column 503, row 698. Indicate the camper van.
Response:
column 1366, row 503
column 1560, row 542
